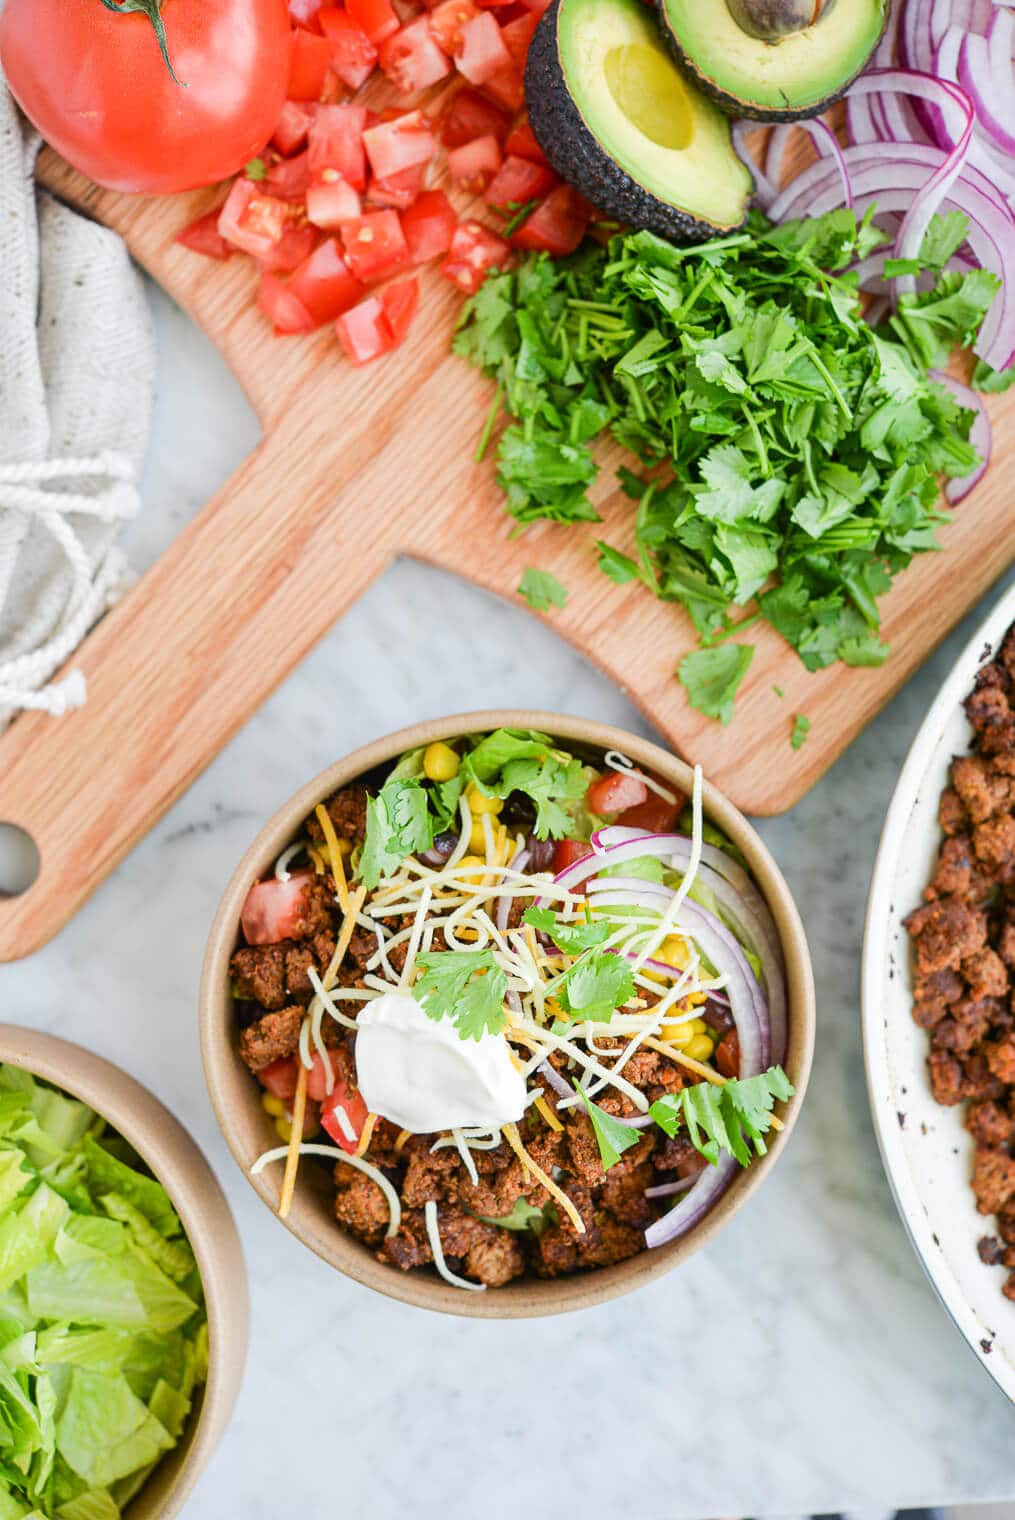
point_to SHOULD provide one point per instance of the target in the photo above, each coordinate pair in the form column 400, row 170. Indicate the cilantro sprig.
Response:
column 733, row 1118
column 612, row 1137
column 465, row 986
column 796, row 452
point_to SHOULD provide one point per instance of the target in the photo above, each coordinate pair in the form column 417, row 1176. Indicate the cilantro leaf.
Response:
column 712, row 677
column 619, row 567
column 523, row 1216
column 398, row 824
column 466, row 986
column 612, row 1137
column 993, row 382
column 732, row 1118
column 801, row 729
column 596, row 985
column 542, row 590
column 571, row 938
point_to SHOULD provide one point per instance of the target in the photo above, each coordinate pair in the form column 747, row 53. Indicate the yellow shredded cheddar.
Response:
column 549, row 1115
column 335, row 855
column 292, row 1160
column 403, row 1135
column 363, row 1145
column 511, row 1135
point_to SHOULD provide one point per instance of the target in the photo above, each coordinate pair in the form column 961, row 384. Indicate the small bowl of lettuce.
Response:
column 123, row 1294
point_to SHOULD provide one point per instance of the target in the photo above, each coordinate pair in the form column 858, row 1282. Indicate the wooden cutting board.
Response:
column 355, row 468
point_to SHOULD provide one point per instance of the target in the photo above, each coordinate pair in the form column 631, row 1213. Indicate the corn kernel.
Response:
column 475, row 868
column 680, row 1035
column 440, row 763
column 699, row 1047
column 698, row 1026
column 478, row 803
column 674, row 952
column 283, row 1129
column 272, row 1105
column 477, row 839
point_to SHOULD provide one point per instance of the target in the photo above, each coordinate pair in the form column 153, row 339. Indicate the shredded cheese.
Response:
column 466, row 1155
column 434, row 1237
column 549, row 1115
column 334, row 854
column 333, row 1153
column 403, row 1135
column 617, row 761
column 513, row 1139
column 292, row 1159
column 366, row 1135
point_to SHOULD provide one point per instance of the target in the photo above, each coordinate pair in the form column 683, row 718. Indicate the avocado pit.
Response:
column 772, row 20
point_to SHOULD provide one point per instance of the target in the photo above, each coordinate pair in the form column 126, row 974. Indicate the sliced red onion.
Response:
column 667, row 1189
column 765, row 191
column 979, row 435
column 637, row 1121
column 985, row 73
column 554, row 1079
column 708, row 1187
column 518, row 863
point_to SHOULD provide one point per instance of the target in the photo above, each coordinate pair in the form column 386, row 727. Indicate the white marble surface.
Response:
column 800, row 1363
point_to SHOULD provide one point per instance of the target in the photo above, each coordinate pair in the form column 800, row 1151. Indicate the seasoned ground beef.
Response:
column 964, row 950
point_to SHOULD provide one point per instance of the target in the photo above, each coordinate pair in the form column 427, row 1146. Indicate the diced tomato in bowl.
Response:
column 474, row 164
column 374, row 244
column 614, row 792
column 568, row 852
column 325, row 284
column 348, row 1105
column 474, row 251
column 656, row 814
column 280, row 1077
column 274, row 910
column 412, row 59
column 519, row 181
column 471, row 115
column 353, row 55
column 429, row 226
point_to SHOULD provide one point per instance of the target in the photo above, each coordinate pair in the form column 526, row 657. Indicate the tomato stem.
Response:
column 153, row 10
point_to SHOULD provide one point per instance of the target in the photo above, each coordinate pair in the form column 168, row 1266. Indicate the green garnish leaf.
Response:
column 542, row 590
column 466, row 986
column 732, row 1118
column 993, row 382
column 612, row 1137
column 524, row 1216
column 801, row 728
column 712, row 677
column 573, row 939
column 398, row 825
column 596, row 985
column 256, row 169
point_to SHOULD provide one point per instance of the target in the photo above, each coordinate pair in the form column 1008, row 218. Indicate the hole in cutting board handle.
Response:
column 19, row 860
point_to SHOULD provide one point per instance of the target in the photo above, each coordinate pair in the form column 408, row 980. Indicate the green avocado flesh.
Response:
column 670, row 145
column 797, row 75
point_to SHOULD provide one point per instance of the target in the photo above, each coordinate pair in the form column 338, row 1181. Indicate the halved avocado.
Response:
column 773, row 60
column 620, row 122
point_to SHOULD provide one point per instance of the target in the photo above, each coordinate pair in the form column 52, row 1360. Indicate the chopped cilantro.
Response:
column 993, row 382
column 801, row 450
column 612, row 1137
column 256, row 169
column 801, row 728
column 542, row 590
column 732, row 1118
column 573, row 939
column 524, row 1216
column 712, row 677
column 596, row 985
column 398, row 824
column 466, row 986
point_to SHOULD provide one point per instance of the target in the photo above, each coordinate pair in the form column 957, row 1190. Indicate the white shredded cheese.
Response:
column 334, row 1153
column 434, row 1237
column 616, row 761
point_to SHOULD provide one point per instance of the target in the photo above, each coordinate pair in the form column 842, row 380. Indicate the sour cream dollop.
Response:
column 417, row 1071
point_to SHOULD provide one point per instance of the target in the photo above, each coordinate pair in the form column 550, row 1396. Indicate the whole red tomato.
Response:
column 91, row 76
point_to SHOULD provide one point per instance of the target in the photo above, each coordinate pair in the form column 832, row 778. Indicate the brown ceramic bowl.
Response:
column 166, row 1148
column 249, row 1131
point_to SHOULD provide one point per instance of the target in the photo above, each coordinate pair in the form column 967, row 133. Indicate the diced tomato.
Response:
column 507, row 88
column 203, row 236
column 325, row 284
column 317, row 1084
column 474, row 250
column 251, row 221
column 429, row 226
column 494, row 5
column 374, row 244
column 539, row 6
column 309, row 63
column 655, row 814
column 336, row 142
column 400, row 144
column 517, row 181
column 375, row 17
column 400, row 301
column 283, row 310
column 288, row 179
column 469, row 117
column 411, row 58
column 474, row 164
column 305, row 12
column 447, row 20
column 518, row 35
column 355, row 1111
column 295, row 244
column 522, row 142
column 398, row 190
column 293, row 126
column 363, row 331
column 557, row 225
column 614, row 792
column 568, row 852
column 274, row 909
column 353, row 55
column 280, row 1077
column 727, row 1055
column 331, row 201
column 481, row 51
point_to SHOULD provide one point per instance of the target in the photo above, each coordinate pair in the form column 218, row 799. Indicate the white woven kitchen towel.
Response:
column 77, row 371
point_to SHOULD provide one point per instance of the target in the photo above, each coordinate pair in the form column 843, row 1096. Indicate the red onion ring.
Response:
column 982, row 65
column 708, row 1187
column 979, row 435
column 518, row 863
column 667, row 1189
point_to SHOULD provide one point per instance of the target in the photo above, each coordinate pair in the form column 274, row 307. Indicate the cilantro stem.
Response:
column 826, row 375
column 488, row 426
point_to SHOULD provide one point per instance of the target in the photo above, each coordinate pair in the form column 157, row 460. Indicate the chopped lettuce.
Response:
column 103, row 1337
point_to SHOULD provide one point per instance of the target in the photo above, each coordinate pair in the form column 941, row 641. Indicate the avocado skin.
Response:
column 579, row 157
column 731, row 104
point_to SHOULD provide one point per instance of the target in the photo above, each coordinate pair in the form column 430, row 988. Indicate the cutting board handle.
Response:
column 177, row 667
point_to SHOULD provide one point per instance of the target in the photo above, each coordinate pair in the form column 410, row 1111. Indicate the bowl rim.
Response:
column 176, row 1161
column 882, row 911
column 224, row 1071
